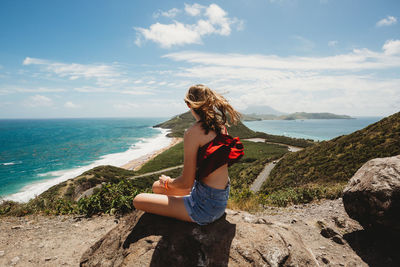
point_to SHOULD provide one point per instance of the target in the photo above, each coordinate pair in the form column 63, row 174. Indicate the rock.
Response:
column 372, row 196
column 338, row 240
column 324, row 260
column 328, row 232
column 1, row 253
column 341, row 223
column 144, row 239
column 15, row 260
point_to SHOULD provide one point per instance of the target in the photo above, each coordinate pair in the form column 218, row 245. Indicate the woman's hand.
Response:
column 163, row 178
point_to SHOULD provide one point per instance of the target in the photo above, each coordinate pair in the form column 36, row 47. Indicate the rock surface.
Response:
column 47, row 241
column 236, row 239
column 372, row 196
column 39, row 240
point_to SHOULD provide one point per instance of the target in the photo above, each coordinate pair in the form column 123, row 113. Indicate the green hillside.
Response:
column 181, row 122
column 313, row 116
column 335, row 161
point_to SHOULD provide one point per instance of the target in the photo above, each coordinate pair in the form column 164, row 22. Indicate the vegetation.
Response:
column 73, row 188
column 302, row 194
column 311, row 116
column 299, row 142
column 169, row 158
column 336, row 161
column 114, row 197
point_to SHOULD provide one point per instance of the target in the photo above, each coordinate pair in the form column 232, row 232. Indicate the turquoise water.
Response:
column 312, row 129
column 35, row 154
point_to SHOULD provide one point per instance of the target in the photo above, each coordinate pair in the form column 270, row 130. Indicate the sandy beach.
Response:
column 135, row 164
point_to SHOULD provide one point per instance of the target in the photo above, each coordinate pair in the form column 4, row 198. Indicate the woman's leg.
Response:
column 159, row 189
column 171, row 206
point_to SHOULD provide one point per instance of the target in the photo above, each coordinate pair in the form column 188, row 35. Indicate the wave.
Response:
column 144, row 147
column 10, row 163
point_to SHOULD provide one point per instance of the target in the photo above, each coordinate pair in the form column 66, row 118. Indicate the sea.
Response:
column 316, row 129
column 36, row 154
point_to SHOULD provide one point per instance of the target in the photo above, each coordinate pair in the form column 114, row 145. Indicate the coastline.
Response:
column 137, row 163
column 131, row 159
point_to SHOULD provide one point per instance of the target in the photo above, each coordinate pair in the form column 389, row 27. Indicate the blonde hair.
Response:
column 212, row 108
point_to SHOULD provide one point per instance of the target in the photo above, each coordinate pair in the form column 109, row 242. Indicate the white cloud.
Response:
column 346, row 83
column 69, row 104
column 169, row 14
column 358, row 59
column 167, row 35
column 194, row 10
column 213, row 20
column 332, row 43
column 102, row 73
column 39, row 101
column 4, row 92
column 389, row 20
column 39, row 90
column 392, row 47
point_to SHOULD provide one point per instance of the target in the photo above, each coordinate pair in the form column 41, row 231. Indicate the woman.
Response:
column 201, row 193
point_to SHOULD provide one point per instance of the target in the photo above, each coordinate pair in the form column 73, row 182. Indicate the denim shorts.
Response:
column 206, row 204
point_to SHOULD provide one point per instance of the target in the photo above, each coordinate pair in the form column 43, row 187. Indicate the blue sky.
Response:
column 138, row 58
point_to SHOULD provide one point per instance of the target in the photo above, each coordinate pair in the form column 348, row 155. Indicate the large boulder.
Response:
column 144, row 239
column 372, row 196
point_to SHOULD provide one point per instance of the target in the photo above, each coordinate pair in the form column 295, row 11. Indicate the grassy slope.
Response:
column 336, row 161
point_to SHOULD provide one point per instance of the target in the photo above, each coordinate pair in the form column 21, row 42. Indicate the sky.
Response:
column 67, row 59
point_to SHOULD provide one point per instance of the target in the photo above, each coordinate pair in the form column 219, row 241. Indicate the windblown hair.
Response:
column 212, row 108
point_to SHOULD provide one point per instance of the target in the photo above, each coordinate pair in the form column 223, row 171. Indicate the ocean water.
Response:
column 36, row 154
column 318, row 130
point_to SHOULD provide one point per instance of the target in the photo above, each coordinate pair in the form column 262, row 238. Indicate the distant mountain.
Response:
column 294, row 116
column 311, row 116
column 258, row 117
column 335, row 161
column 259, row 109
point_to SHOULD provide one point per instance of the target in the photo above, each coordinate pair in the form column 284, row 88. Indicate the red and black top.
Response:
column 219, row 151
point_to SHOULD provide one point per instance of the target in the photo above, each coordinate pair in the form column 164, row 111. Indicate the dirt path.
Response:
column 157, row 172
column 264, row 174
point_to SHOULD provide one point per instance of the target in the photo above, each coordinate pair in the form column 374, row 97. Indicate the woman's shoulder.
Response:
column 194, row 130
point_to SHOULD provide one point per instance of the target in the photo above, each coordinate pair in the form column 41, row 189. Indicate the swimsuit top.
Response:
column 219, row 151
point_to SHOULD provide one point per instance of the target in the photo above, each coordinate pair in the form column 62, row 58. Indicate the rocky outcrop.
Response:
column 151, row 240
column 372, row 196
column 236, row 239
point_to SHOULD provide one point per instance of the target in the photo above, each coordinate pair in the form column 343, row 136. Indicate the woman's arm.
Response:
column 181, row 185
column 190, row 147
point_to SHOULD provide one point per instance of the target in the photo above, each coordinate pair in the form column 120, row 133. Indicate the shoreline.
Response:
column 137, row 163
column 134, row 157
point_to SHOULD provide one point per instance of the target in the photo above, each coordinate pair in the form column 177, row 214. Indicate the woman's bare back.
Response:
column 219, row 177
